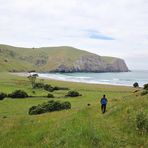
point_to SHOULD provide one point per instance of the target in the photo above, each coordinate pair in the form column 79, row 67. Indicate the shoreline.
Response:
column 25, row 74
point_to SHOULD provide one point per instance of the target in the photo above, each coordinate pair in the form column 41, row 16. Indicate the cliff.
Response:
column 57, row 59
column 93, row 63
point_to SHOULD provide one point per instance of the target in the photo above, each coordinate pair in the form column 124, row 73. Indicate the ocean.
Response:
column 116, row 78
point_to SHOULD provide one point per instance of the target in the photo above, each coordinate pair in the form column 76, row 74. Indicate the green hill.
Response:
column 56, row 59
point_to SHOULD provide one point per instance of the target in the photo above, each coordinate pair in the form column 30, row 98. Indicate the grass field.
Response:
column 82, row 126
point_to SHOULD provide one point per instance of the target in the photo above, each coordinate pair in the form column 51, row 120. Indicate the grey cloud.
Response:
column 65, row 22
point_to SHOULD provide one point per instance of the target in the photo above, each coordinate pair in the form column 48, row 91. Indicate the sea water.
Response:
column 113, row 78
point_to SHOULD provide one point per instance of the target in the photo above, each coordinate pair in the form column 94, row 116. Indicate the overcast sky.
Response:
column 106, row 27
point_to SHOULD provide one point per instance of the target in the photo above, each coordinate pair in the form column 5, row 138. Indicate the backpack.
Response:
column 103, row 101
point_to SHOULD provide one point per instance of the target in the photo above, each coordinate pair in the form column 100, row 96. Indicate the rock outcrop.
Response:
column 93, row 63
column 56, row 59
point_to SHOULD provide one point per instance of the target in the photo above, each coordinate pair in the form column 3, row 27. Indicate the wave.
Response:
column 82, row 79
column 126, row 79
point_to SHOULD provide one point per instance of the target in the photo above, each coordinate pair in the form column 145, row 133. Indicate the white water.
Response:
column 124, row 78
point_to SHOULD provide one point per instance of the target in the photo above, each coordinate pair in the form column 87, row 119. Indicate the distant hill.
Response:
column 56, row 59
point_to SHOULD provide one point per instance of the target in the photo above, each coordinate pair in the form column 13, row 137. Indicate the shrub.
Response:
column 142, row 122
column 18, row 94
column 33, row 92
column 38, row 85
column 2, row 95
column 48, row 88
column 73, row 94
column 34, row 110
column 66, row 105
column 60, row 88
column 50, row 96
column 146, row 86
column 135, row 84
column 49, row 106
column 144, row 92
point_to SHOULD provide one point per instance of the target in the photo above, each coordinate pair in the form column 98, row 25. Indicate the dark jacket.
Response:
column 103, row 101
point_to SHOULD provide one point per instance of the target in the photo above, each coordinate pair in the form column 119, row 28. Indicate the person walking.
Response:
column 103, row 104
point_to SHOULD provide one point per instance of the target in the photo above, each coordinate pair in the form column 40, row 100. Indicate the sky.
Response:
column 117, row 28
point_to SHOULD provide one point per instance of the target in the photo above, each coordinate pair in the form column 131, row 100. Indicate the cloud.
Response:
column 110, row 27
column 97, row 35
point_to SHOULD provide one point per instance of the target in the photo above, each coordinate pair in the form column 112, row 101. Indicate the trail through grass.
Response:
column 81, row 127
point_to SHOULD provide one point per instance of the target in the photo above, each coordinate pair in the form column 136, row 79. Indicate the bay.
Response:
column 113, row 78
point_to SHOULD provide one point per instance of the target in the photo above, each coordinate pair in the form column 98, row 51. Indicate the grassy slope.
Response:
column 82, row 126
column 22, row 59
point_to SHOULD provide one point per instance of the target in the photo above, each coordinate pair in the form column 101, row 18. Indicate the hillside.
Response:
column 82, row 126
column 56, row 59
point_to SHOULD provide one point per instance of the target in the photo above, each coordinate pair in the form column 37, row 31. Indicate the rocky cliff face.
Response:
column 93, row 63
column 56, row 59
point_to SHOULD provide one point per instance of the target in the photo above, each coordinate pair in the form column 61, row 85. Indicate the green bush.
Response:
column 73, row 94
column 60, row 88
column 18, row 94
column 38, row 85
column 49, row 106
column 135, row 84
column 34, row 110
column 48, row 88
column 146, row 86
column 2, row 95
column 142, row 122
column 50, row 96
column 144, row 92
column 66, row 105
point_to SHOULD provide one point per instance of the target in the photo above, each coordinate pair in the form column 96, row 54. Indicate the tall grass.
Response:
column 82, row 126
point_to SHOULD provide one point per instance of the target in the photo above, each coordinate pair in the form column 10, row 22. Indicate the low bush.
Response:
column 38, row 85
column 48, row 87
column 73, row 94
column 66, row 105
column 18, row 94
column 49, row 106
column 33, row 92
column 145, row 86
column 60, row 88
column 2, row 95
column 135, row 84
column 142, row 122
column 34, row 110
column 145, row 92
column 50, row 96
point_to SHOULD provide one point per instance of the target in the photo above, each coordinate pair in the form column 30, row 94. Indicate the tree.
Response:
column 135, row 84
column 32, row 79
column 146, row 86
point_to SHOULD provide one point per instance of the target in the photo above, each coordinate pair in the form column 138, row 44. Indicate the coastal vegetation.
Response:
column 66, row 110
column 73, row 94
column 146, row 86
column 123, row 125
column 49, row 106
column 18, row 94
column 136, row 84
column 2, row 95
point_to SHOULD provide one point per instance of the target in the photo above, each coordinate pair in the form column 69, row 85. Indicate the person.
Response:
column 103, row 103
